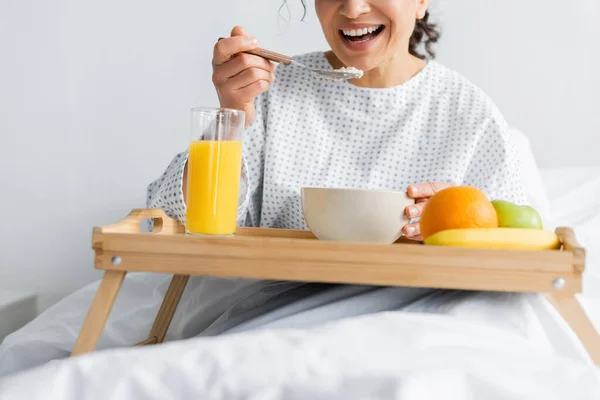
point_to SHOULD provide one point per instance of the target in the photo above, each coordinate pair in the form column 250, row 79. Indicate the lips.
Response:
column 362, row 34
column 359, row 38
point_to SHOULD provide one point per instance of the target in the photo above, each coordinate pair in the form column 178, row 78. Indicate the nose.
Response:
column 353, row 9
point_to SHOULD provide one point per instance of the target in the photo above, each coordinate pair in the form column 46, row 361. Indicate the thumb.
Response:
column 238, row 31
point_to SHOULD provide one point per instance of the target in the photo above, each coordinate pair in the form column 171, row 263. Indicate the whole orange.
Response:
column 457, row 207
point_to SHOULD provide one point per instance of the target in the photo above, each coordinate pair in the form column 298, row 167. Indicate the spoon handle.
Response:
column 269, row 55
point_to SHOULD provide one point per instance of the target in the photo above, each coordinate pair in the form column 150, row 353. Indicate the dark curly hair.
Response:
column 426, row 34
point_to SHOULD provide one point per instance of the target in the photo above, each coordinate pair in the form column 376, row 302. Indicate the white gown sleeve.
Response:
column 495, row 166
column 166, row 192
column 249, row 214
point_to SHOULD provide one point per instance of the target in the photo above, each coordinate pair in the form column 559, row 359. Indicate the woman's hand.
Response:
column 421, row 193
column 240, row 77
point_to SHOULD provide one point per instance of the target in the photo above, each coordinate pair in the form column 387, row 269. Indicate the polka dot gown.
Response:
column 436, row 127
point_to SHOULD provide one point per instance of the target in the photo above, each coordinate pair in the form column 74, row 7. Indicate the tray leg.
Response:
column 167, row 310
column 98, row 313
column 572, row 312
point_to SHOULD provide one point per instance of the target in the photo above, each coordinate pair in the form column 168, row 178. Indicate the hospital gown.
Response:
column 307, row 131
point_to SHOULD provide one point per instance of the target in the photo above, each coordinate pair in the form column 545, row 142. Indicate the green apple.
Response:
column 511, row 215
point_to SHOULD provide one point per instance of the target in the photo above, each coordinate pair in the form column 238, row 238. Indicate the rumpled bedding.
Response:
column 241, row 339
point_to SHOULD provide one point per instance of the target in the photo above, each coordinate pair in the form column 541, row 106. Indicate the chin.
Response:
column 364, row 62
column 364, row 53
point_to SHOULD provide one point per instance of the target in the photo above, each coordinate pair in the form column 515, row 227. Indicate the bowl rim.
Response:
column 375, row 191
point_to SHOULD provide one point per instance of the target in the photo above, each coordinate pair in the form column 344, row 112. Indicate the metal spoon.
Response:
column 334, row 75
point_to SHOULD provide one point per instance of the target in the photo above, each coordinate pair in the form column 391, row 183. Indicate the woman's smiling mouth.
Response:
column 359, row 38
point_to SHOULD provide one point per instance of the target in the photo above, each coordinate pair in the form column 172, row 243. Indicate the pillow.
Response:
column 574, row 193
column 532, row 178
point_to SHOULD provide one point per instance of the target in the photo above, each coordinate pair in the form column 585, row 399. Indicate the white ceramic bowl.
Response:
column 356, row 215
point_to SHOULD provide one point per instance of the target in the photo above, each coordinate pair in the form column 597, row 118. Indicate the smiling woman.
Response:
column 408, row 124
column 425, row 33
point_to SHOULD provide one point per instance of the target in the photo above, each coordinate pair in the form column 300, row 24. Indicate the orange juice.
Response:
column 214, row 168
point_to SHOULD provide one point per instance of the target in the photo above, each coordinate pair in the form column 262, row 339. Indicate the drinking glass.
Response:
column 214, row 170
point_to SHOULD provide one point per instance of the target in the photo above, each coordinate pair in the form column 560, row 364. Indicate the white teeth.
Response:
column 360, row 32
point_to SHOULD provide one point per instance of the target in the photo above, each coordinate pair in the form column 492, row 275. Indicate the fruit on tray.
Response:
column 496, row 238
column 463, row 216
column 457, row 207
column 511, row 215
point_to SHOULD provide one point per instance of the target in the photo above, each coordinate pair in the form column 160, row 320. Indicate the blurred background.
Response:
column 95, row 99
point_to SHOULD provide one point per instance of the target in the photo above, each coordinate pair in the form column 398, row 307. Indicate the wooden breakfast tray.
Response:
column 279, row 254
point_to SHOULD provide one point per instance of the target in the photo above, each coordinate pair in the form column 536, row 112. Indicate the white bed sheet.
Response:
column 380, row 356
column 574, row 195
column 391, row 355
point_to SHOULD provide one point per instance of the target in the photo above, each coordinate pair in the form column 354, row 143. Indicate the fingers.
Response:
column 238, row 31
column 426, row 189
column 414, row 210
column 240, row 77
column 412, row 231
column 247, row 77
column 254, row 89
column 225, row 49
column 250, row 83
column 418, row 238
column 238, row 64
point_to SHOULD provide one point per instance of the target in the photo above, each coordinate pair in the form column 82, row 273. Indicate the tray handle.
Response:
column 131, row 223
column 570, row 243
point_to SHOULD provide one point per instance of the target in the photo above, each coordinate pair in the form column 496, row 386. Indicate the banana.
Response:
column 496, row 238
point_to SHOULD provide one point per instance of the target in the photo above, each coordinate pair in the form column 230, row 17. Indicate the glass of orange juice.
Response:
column 214, row 170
